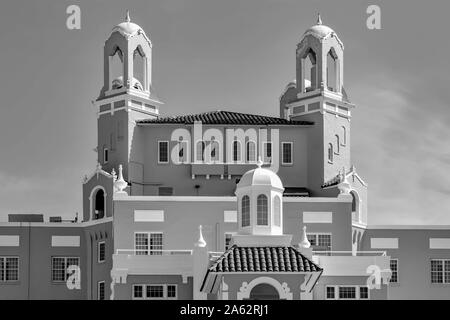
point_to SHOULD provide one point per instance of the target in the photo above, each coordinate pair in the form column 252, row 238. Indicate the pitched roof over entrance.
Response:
column 263, row 259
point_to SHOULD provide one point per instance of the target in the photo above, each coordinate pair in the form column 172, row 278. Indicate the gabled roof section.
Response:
column 263, row 259
column 225, row 117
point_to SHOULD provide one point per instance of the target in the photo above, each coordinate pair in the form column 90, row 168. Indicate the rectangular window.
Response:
column 347, row 292
column 154, row 291
column 331, row 293
column 171, row 291
column 440, row 271
column 60, row 267
column 101, row 290
column 287, row 148
column 163, row 151
column 156, row 243
column 363, row 293
column 138, row 291
column 9, row 269
column 105, row 155
column 268, row 152
column 101, row 251
column 320, row 241
column 141, row 243
column 228, row 238
column 393, row 264
column 148, row 243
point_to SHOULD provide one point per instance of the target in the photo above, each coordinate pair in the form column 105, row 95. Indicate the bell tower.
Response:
column 318, row 95
column 127, row 94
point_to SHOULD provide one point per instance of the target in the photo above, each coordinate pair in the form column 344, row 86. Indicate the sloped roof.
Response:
column 224, row 117
column 263, row 259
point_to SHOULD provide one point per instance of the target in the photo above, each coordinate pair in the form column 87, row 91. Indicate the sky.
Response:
column 227, row 55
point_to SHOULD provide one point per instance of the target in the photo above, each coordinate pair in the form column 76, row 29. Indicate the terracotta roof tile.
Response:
column 224, row 117
column 263, row 259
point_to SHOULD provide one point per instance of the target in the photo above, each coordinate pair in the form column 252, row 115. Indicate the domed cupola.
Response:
column 260, row 206
column 320, row 30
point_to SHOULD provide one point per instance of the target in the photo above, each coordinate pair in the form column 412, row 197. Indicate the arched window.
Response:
column 344, row 136
column 332, row 70
column 245, row 208
column 251, row 151
column 277, row 211
column 355, row 207
column 200, row 151
column 236, row 151
column 215, row 150
column 261, row 211
column 116, row 69
column 99, row 204
column 310, row 71
column 330, row 152
column 139, row 67
column 338, row 146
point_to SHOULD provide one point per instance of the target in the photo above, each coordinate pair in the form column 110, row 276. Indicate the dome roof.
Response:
column 319, row 30
column 260, row 177
column 127, row 28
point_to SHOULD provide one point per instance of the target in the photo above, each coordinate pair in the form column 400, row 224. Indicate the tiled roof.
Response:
column 225, row 117
column 295, row 192
column 263, row 259
column 332, row 182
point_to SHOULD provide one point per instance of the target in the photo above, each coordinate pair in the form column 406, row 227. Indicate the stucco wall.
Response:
column 414, row 255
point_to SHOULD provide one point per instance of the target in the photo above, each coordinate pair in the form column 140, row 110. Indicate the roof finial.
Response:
column 127, row 19
column 201, row 242
column 319, row 19
column 305, row 242
column 260, row 162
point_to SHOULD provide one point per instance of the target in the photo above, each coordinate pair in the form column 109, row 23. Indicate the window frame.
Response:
column 258, row 212
column 3, row 276
column 248, row 213
column 291, row 155
column 99, row 244
column 202, row 148
column 247, row 151
column 392, row 272
column 330, row 153
column 159, row 151
column 236, row 152
column 66, row 275
column 445, row 279
column 149, row 251
column 316, row 235
column 344, row 134
column 337, row 288
column 266, row 157
column 144, row 291
column 98, row 290
column 337, row 150
column 105, row 155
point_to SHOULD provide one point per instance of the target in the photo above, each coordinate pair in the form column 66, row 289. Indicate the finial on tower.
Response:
column 305, row 242
column 319, row 19
column 127, row 19
column 260, row 162
column 120, row 184
column 200, row 242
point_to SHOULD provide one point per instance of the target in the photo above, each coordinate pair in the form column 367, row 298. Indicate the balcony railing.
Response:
column 152, row 252
column 349, row 253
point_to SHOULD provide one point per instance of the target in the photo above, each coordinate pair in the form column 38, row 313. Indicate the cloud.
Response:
column 404, row 151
